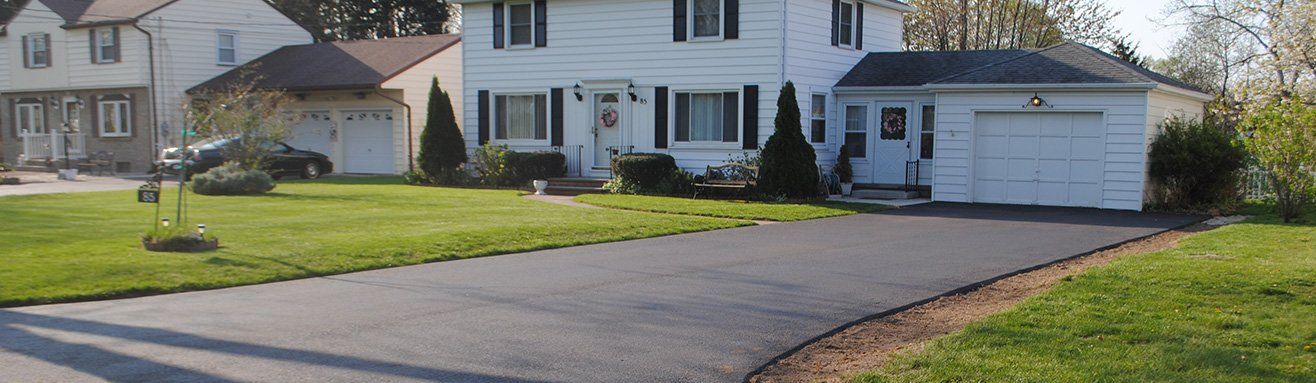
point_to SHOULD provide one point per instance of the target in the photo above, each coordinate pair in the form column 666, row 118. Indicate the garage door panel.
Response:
column 1056, row 125
column 1088, row 125
column 993, row 124
column 1021, row 168
column 1055, row 147
column 1085, row 194
column 368, row 142
column 992, row 147
column 1052, row 193
column 1023, row 146
column 1087, row 148
column 1025, row 125
column 1020, row 192
column 1049, row 158
column 990, row 168
column 1085, row 171
column 1053, row 170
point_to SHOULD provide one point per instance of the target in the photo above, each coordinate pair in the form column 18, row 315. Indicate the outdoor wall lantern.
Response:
column 576, row 90
column 630, row 89
column 1037, row 102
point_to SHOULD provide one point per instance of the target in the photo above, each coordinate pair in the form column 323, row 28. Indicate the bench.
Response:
column 731, row 176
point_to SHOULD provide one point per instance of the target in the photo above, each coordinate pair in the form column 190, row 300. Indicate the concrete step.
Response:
column 884, row 194
column 572, row 190
column 578, row 182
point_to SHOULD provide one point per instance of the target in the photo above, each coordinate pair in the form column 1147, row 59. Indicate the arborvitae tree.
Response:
column 442, row 147
column 789, row 163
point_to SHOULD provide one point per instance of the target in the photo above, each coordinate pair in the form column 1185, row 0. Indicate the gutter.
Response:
column 155, row 117
column 411, row 151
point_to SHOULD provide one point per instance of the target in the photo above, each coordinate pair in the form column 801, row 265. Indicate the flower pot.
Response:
column 68, row 174
column 540, row 186
column 846, row 188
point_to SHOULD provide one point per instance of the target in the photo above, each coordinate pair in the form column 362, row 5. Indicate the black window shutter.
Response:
column 732, row 20
column 541, row 23
column 132, row 116
column 92, row 43
column 859, row 26
column 95, row 116
column 836, row 23
column 557, row 127
column 483, row 111
column 50, row 54
column 118, row 56
column 498, row 25
column 682, row 117
column 27, row 53
column 751, row 117
column 730, row 116
column 678, row 20
column 660, row 117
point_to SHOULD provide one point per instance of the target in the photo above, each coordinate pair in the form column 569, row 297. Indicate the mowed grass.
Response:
column 762, row 211
column 1237, row 304
column 70, row 247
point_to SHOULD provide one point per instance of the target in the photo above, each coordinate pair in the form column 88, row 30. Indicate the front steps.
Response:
column 884, row 194
column 575, row 186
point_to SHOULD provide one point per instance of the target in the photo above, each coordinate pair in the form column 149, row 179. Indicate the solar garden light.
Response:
column 201, row 229
column 164, row 222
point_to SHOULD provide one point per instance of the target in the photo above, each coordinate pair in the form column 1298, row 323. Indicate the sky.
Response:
column 1139, row 19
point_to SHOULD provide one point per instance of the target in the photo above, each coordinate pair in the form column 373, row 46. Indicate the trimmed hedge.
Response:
column 644, row 170
column 230, row 179
column 530, row 166
column 1195, row 163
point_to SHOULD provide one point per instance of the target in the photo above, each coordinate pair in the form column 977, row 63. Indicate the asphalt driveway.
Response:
column 699, row 307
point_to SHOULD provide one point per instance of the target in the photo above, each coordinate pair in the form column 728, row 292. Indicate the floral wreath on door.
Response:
column 608, row 118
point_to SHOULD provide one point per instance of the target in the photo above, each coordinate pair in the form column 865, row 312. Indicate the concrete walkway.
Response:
column 46, row 183
column 703, row 307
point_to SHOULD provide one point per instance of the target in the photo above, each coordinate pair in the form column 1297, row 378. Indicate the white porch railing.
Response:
column 37, row 146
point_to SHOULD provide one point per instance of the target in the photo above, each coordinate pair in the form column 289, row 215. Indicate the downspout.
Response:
column 411, row 156
column 155, row 118
column 785, row 14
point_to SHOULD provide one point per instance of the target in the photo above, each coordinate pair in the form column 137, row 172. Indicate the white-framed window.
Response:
column 72, row 113
column 705, row 19
column 38, row 50
column 114, row 119
column 845, row 24
column 226, row 47
column 856, row 131
column 520, row 25
column 818, row 119
column 107, row 50
column 707, row 117
column 927, row 132
column 30, row 118
column 521, row 117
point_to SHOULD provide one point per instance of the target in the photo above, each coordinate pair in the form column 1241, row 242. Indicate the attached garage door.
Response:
column 312, row 133
column 1039, row 158
column 368, row 142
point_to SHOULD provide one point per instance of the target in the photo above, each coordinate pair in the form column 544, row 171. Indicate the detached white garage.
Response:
column 362, row 103
column 1067, row 125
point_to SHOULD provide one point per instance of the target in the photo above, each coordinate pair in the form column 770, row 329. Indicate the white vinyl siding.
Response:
column 115, row 118
column 226, row 47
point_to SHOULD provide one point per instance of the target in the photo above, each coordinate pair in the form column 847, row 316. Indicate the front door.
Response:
column 891, row 143
column 608, row 122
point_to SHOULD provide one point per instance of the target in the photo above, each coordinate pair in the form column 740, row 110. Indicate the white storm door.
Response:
column 891, row 142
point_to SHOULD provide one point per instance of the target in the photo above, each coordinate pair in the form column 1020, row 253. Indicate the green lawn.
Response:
column 763, row 211
column 69, row 247
column 1237, row 304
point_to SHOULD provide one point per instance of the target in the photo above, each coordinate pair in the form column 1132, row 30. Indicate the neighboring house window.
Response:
column 707, row 20
column 114, row 118
column 520, row 25
column 38, row 50
column 927, row 132
column 707, row 117
column 107, row 45
column 30, row 118
column 856, row 131
column 818, row 119
column 227, row 42
column 521, row 117
column 846, row 24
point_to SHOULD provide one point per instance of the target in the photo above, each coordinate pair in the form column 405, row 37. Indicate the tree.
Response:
column 1195, row 164
column 942, row 25
column 1283, row 139
column 256, row 121
column 1127, row 50
column 442, row 147
column 789, row 164
column 331, row 20
column 1279, row 38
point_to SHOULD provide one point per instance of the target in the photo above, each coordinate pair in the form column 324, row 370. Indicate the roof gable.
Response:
column 358, row 64
column 79, row 12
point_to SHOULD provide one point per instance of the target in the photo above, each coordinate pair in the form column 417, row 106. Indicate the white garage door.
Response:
column 368, row 142
column 1052, row 159
column 312, row 133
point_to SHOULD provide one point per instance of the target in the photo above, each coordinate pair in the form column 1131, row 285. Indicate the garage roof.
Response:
column 338, row 65
column 83, row 12
column 1068, row 63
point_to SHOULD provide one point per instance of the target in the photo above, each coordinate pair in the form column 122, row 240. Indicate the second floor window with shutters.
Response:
column 38, row 50
column 227, row 42
column 846, row 24
column 520, row 25
column 707, row 18
column 107, row 49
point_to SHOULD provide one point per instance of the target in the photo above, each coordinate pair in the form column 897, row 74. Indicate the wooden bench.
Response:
column 731, row 176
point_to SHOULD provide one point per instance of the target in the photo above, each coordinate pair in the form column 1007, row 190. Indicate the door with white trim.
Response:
column 891, row 142
column 608, row 123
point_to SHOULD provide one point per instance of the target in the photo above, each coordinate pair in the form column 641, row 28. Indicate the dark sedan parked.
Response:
column 284, row 160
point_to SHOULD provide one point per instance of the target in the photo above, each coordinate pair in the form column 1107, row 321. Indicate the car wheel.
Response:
column 311, row 170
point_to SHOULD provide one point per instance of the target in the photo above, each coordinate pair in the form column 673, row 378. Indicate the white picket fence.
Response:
column 51, row 146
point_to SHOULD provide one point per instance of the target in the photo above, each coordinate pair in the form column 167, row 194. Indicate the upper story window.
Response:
column 818, row 119
column 37, row 49
column 845, row 24
column 227, row 48
column 520, row 25
column 707, row 18
column 105, row 45
column 848, row 24
column 521, row 117
column 707, row 117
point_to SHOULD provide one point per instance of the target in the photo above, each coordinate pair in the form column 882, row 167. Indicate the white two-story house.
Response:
column 112, row 73
column 698, row 79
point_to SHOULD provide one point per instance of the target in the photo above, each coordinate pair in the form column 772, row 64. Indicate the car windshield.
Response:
column 212, row 144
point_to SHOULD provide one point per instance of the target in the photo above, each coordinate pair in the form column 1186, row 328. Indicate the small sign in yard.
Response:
column 148, row 195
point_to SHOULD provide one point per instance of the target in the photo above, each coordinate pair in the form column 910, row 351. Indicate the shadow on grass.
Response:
column 349, row 180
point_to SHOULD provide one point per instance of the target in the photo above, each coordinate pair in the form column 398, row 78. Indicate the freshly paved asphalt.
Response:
column 702, row 307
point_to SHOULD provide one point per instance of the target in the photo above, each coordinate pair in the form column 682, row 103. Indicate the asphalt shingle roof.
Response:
column 358, row 64
column 1068, row 63
column 77, row 12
